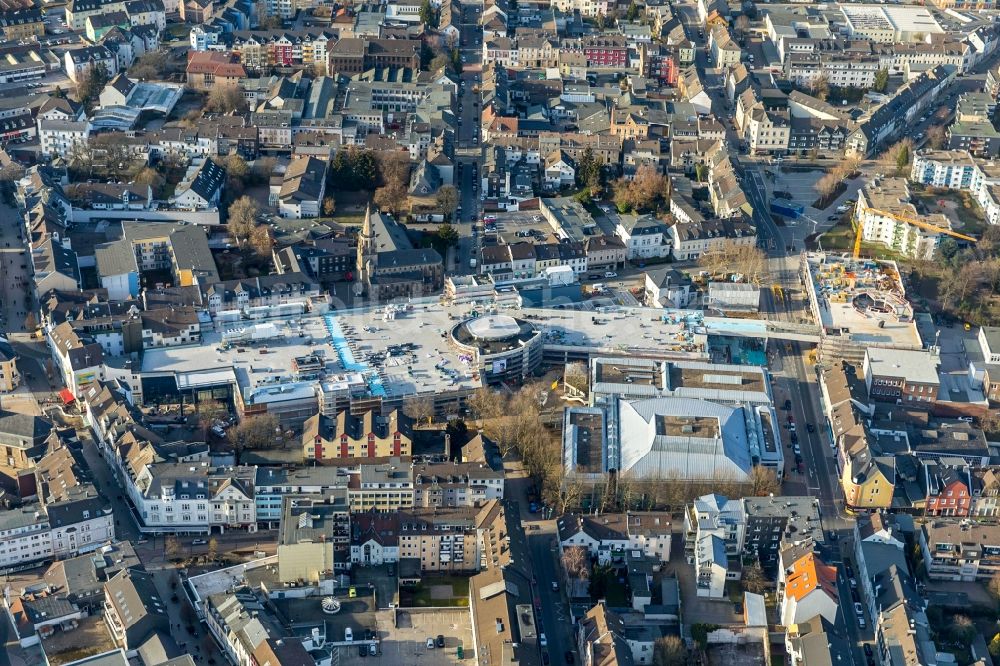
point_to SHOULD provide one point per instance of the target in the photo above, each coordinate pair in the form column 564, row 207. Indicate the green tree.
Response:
column 701, row 172
column 588, row 169
column 426, row 12
column 994, row 647
column 448, row 235
column 948, row 248
column 92, row 83
column 902, row 158
column 632, row 13
column 881, row 80
column 352, row 169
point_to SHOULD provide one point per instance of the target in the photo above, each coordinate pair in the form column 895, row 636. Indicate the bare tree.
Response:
column 669, row 651
column 225, row 99
column 213, row 549
column 747, row 260
column 447, row 200
column 242, row 219
column 172, row 548
column 574, row 562
column 763, row 481
column 329, row 205
column 828, row 184
column 261, row 241
column 210, row 411
column 936, row 137
column 753, row 578
column 994, row 587
column 392, row 198
column 419, row 408
column 255, row 432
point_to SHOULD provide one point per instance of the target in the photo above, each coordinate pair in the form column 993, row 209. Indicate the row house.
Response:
column 523, row 260
column 258, row 49
column 346, row 435
column 603, row 51
column 693, row 239
column 606, row 537
column 949, row 488
column 173, row 487
column 263, row 291
column 659, row 62
column 68, row 518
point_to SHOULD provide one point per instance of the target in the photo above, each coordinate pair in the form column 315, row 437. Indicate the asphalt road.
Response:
column 556, row 622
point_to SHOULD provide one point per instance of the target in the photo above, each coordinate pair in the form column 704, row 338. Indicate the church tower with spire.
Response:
column 366, row 250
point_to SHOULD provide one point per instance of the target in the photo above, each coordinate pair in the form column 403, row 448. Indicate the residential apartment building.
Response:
column 382, row 486
column 960, row 551
column 884, row 210
column 693, row 239
column 453, row 484
column 607, row 537
column 367, row 435
column 906, row 377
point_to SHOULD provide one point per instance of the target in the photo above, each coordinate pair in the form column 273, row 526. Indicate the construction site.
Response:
column 859, row 303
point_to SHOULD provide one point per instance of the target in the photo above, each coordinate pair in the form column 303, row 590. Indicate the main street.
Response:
column 468, row 160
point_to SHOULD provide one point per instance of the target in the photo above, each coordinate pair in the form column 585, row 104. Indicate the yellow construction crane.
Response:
column 927, row 226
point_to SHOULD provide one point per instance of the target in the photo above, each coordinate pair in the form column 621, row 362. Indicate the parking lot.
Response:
column 522, row 225
column 407, row 643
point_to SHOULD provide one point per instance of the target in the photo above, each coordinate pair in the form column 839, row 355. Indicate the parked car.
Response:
column 440, row 640
column 362, row 650
column 796, row 450
column 372, row 649
column 555, row 586
column 430, row 643
column 857, row 606
column 199, row 542
column 542, row 640
column 610, row 274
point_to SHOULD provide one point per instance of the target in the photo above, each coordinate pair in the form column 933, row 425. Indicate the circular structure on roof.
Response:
column 330, row 605
column 498, row 348
column 493, row 327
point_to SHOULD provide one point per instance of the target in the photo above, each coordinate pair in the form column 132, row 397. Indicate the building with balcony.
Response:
column 960, row 551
